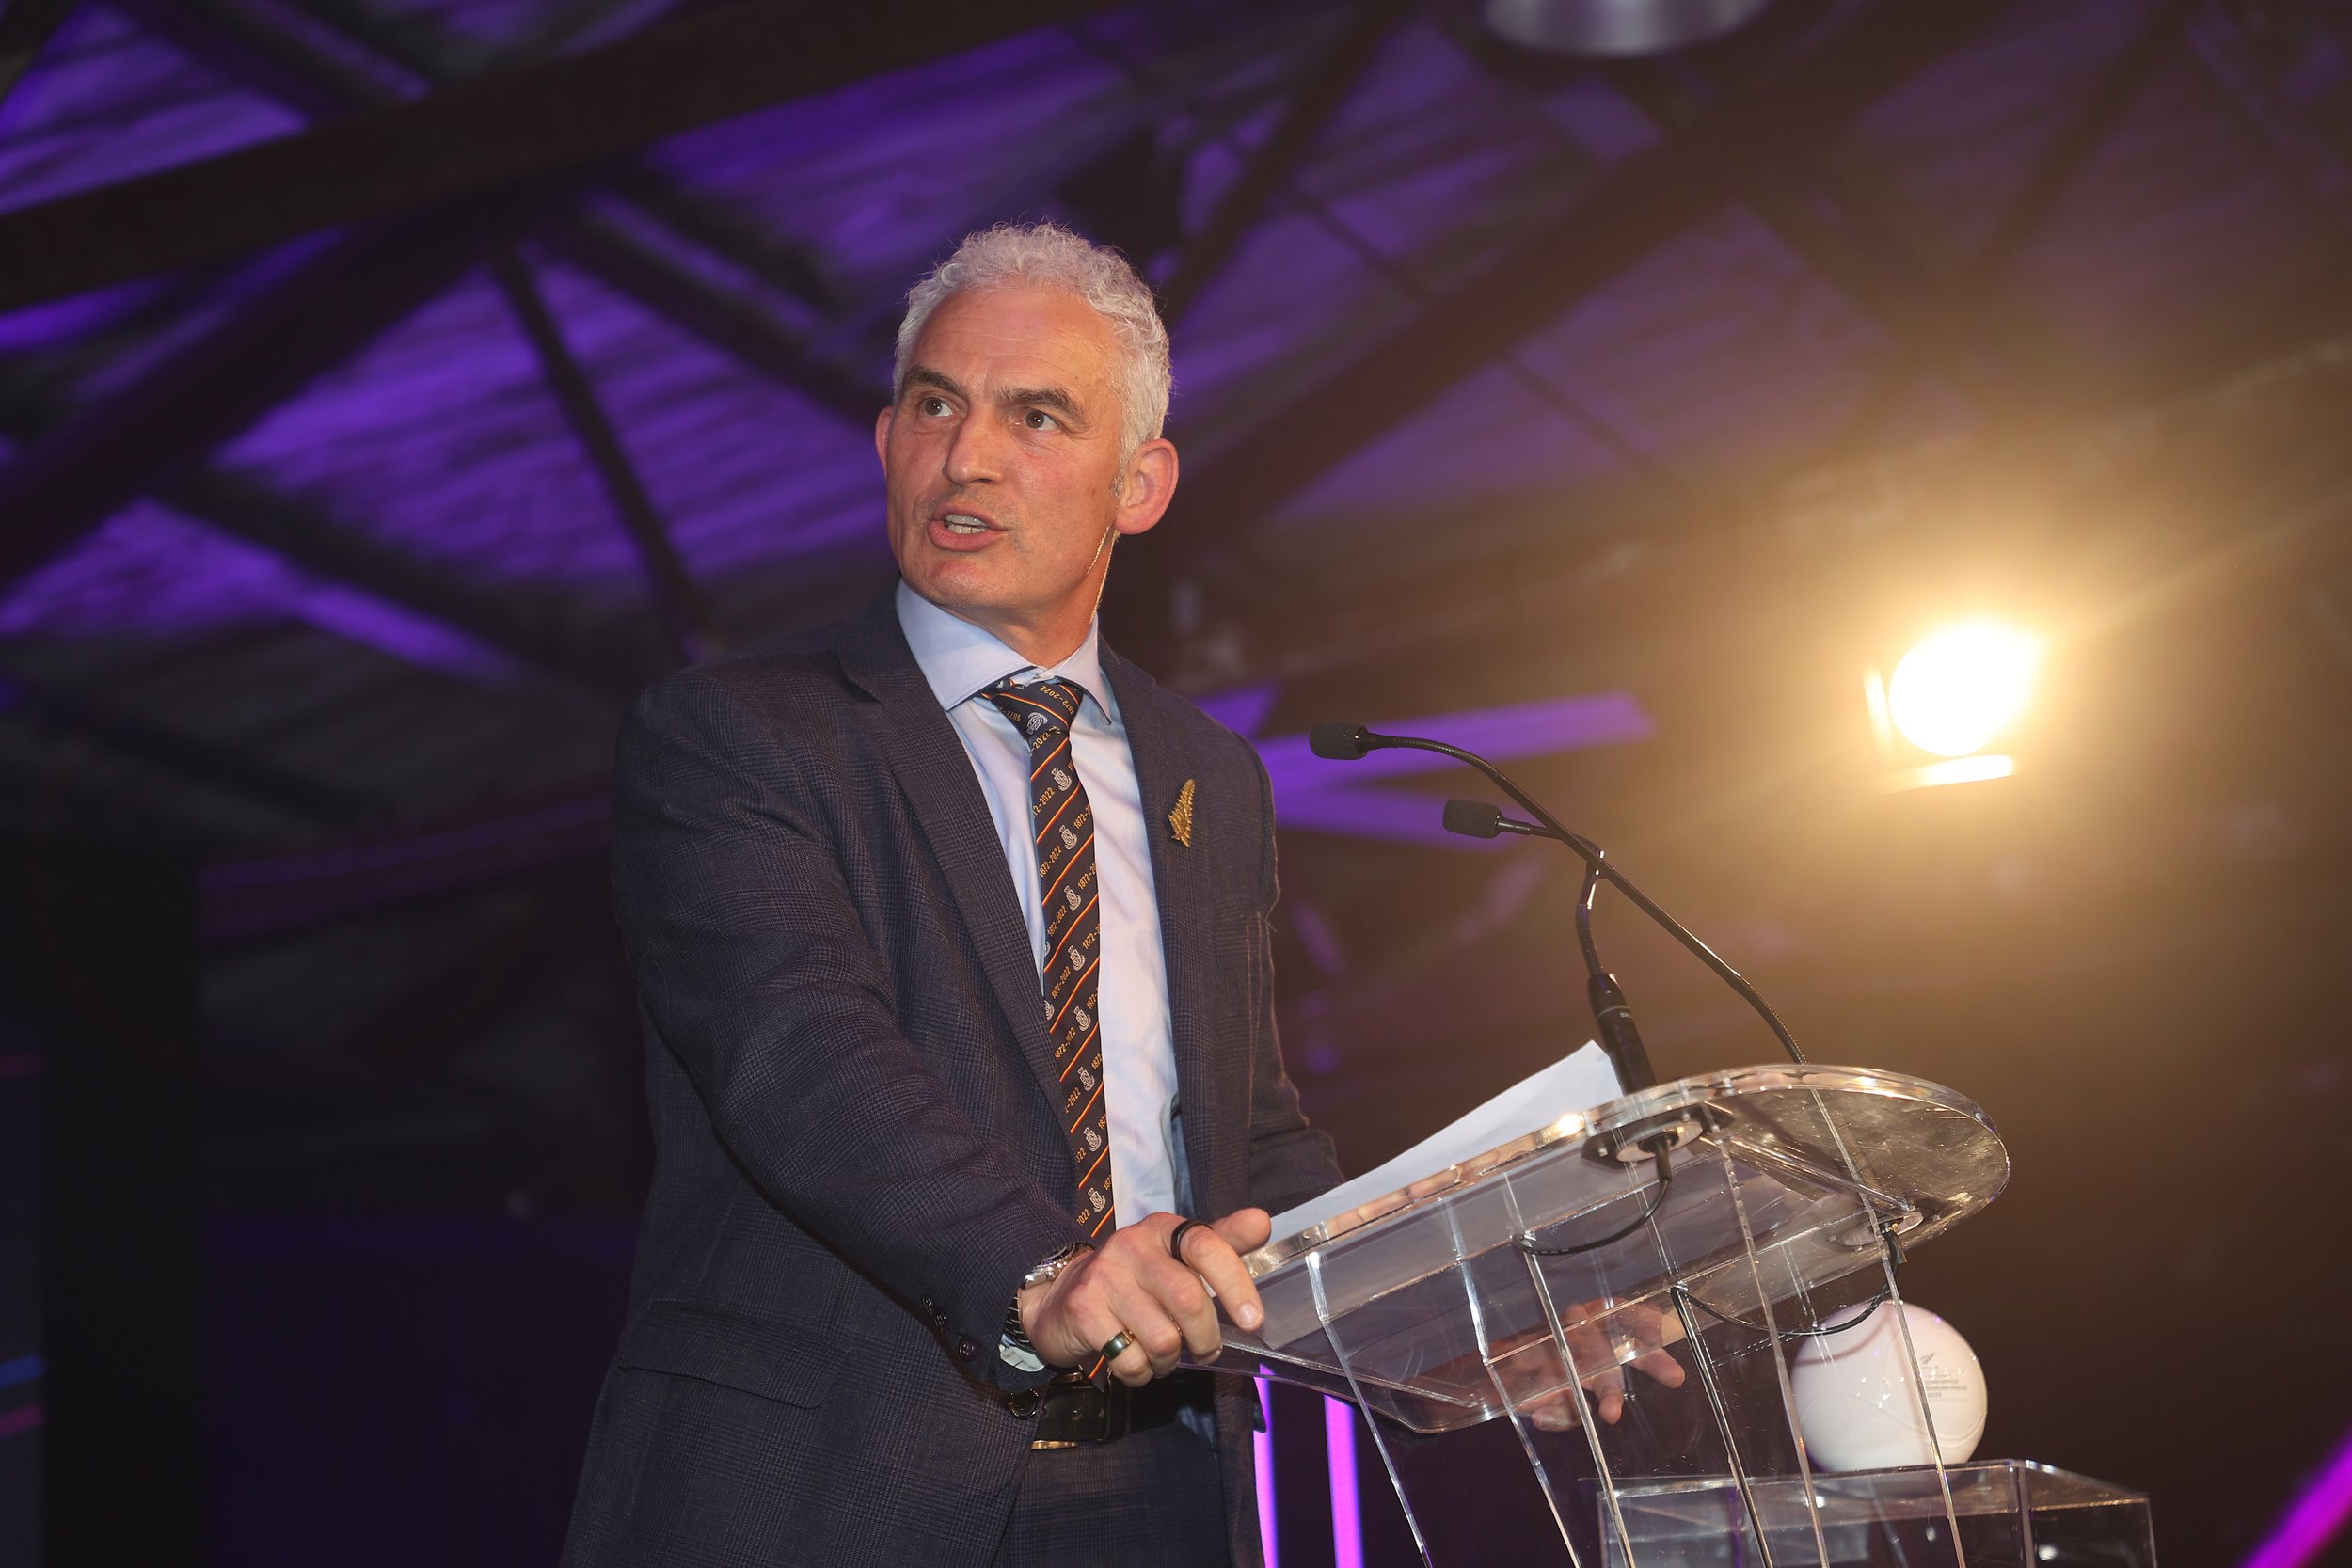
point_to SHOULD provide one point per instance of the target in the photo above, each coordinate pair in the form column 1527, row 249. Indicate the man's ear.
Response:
column 1148, row 486
column 882, row 436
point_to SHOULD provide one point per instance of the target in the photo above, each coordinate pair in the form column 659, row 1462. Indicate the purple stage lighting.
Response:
column 1500, row 734
column 1242, row 708
column 1347, row 1519
column 2317, row 1517
column 1325, row 797
column 1262, row 1452
column 1393, row 814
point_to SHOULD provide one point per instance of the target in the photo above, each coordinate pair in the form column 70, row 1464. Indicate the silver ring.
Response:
column 1115, row 1346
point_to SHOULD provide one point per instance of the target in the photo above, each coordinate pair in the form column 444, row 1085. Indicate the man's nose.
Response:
column 975, row 453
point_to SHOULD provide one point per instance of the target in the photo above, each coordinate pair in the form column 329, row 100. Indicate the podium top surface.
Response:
column 1788, row 1177
column 1925, row 1149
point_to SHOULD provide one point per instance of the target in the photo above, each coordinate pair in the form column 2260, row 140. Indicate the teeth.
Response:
column 959, row 523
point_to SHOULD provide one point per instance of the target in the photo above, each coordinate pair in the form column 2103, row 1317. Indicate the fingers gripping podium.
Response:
column 1627, row 1287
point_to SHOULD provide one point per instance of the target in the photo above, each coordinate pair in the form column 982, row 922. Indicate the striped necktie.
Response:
column 1062, row 825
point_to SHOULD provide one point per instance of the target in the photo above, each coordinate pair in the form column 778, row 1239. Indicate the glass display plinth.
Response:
column 2010, row 1513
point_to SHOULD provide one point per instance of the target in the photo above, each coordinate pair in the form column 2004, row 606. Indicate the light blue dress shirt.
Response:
column 959, row 660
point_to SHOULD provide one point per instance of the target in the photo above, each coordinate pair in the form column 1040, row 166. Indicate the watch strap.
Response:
column 1014, row 1348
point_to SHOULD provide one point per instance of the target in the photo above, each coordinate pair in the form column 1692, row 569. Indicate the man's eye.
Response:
column 1038, row 418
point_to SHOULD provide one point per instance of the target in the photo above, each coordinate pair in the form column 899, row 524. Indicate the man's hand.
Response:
column 1590, row 1345
column 1133, row 1283
column 1530, row 1367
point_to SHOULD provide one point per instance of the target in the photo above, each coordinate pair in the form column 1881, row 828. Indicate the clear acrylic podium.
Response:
column 1554, row 1281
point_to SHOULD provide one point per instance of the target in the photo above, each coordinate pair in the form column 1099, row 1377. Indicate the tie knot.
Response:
column 1038, row 707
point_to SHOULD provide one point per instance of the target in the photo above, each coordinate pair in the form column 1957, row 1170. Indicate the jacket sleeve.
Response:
column 1290, row 1162
column 752, row 958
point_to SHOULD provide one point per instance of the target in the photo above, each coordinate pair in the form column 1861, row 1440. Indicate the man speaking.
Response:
column 950, row 931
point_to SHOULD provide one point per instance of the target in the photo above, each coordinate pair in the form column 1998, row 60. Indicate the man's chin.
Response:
column 955, row 584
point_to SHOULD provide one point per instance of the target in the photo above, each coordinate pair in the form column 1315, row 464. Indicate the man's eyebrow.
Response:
column 922, row 375
column 1056, row 398
column 1042, row 397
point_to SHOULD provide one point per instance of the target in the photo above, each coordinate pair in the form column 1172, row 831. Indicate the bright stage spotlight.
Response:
column 1949, row 699
column 1964, row 685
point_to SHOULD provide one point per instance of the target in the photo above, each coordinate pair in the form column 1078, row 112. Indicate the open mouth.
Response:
column 965, row 523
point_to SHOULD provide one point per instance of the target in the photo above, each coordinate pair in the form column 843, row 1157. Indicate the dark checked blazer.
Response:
column 858, row 1154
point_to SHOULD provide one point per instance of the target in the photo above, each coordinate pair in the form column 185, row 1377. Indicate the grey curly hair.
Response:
column 1046, row 255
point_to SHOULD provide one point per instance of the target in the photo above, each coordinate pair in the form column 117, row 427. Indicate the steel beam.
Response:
column 543, row 641
column 487, row 133
column 734, row 325
column 1644, row 203
column 305, row 78
column 727, row 229
column 322, row 86
column 2314, row 152
column 307, row 537
column 1628, row 579
column 24, row 26
column 282, row 892
column 449, row 1009
column 684, row 610
column 1964, row 301
column 196, row 399
column 184, row 756
column 2073, row 148
column 1892, row 302
column 1311, row 106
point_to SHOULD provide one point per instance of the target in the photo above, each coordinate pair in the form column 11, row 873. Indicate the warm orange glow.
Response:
column 1961, row 687
column 1988, row 764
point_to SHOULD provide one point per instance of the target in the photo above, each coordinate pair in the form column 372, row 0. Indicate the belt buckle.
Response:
column 1078, row 1414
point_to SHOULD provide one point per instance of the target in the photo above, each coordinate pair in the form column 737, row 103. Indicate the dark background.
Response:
column 388, row 388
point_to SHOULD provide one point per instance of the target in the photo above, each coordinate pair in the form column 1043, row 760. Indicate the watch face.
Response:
column 1053, row 1266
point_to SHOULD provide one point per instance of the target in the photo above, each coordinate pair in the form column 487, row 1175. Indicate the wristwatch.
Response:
column 1015, row 1350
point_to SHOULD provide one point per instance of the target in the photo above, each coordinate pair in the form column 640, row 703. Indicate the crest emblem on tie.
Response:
column 1061, row 780
column 1180, row 819
column 1095, row 1196
column 1037, row 722
column 1069, row 839
column 1069, row 897
column 1086, row 1077
column 1085, row 1022
column 1094, row 1141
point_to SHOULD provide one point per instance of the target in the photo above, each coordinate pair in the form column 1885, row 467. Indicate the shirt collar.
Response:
column 959, row 659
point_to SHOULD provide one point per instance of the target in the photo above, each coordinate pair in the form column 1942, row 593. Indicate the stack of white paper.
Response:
column 1578, row 1082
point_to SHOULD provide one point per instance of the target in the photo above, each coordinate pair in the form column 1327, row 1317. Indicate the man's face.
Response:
column 1002, row 462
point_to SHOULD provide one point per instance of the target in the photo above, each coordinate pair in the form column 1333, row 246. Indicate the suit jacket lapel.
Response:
column 951, row 813
column 1180, row 880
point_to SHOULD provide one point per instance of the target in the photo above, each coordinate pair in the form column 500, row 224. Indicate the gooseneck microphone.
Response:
column 1477, row 820
column 1342, row 741
column 1345, row 742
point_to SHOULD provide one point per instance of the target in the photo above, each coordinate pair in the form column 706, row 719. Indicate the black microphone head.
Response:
column 1472, row 819
column 1341, row 740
